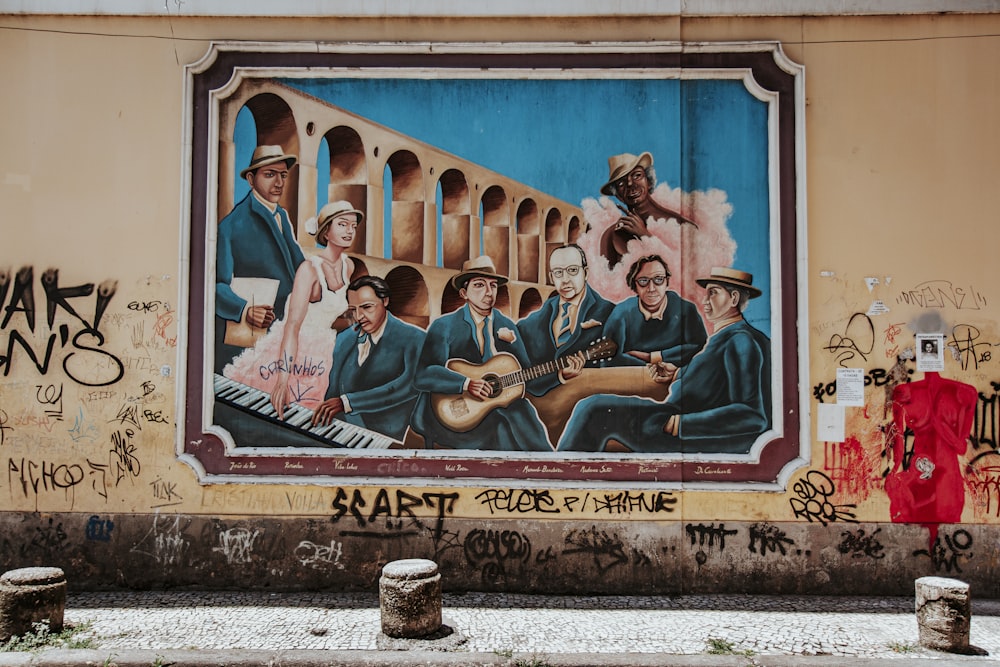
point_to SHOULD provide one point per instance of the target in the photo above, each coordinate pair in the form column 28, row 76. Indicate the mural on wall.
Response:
column 416, row 253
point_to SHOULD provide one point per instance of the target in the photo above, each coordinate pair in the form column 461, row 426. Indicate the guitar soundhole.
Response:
column 494, row 381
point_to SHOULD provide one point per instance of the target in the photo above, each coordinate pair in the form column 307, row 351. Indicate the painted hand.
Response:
column 327, row 409
column 479, row 389
column 632, row 223
column 260, row 316
column 662, row 372
column 279, row 396
column 574, row 365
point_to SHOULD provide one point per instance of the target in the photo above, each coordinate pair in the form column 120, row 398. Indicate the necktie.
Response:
column 483, row 338
column 564, row 330
column 364, row 347
column 277, row 221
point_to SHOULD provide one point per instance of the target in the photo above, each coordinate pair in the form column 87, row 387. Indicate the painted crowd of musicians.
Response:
column 461, row 383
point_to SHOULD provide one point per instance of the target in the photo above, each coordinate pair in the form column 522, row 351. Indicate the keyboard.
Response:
column 298, row 419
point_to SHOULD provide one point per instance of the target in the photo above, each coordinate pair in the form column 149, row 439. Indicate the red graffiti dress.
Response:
column 925, row 485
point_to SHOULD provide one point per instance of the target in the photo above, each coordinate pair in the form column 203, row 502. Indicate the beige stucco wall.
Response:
column 902, row 153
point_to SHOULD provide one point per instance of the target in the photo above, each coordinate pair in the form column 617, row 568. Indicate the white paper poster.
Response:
column 930, row 352
column 851, row 386
column 830, row 423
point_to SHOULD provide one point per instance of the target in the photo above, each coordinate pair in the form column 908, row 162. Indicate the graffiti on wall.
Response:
column 77, row 370
column 469, row 277
column 925, row 437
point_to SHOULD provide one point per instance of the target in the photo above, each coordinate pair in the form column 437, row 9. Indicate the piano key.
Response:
column 301, row 419
column 297, row 417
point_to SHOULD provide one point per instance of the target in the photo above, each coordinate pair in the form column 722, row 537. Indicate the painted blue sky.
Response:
column 557, row 135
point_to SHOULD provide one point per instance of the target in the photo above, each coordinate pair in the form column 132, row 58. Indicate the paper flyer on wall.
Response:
column 930, row 352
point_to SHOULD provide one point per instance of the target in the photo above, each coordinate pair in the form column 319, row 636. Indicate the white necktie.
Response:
column 364, row 348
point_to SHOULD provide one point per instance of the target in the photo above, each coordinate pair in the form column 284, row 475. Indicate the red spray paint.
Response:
column 925, row 484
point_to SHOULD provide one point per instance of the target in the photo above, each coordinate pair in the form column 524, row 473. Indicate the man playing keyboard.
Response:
column 371, row 377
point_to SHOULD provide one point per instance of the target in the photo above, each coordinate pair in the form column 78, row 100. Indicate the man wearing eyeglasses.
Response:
column 718, row 403
column 570, row 320
column 656, row 325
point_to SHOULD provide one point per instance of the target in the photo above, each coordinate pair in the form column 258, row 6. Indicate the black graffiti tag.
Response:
column 395, row 511
column 708, row 535
column 518, row 501
column 948, row 556
column 813, row 501
column 122, row 457
column 858, row 340
column 860, row 545
column 606, row 549
column 79, row 363
column 766, row 539
column 492, row 550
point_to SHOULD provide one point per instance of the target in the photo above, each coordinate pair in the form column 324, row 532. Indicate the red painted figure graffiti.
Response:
column 925, row 485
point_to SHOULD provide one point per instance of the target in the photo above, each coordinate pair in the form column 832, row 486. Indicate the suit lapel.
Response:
column 471, row 337
column 279, row 237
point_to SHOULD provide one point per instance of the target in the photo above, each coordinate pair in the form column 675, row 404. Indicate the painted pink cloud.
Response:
column 690, row 251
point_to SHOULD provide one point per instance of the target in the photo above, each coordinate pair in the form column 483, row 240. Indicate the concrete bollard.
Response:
column 944, row 614
column 409, row 594
column 31, row 595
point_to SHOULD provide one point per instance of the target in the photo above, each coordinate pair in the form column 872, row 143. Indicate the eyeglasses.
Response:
column 644, row 282
column 569, row 271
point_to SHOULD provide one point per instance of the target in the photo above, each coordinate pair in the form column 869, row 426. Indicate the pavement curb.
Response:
column 314, row 658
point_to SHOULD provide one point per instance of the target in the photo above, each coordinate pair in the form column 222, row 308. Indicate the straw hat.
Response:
column 324, row 218
column 480, row 266
column 734, row 277
column 622, row 165
column 265, row 155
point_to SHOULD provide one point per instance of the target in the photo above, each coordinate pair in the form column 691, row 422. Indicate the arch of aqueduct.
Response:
column 514, row 224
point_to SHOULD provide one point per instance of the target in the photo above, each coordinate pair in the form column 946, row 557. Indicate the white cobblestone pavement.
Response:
column 746, row 625
column 790, row 625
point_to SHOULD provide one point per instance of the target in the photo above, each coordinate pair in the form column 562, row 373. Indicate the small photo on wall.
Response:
column 930, row 352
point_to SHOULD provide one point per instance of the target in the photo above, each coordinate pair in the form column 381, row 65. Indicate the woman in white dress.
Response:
column 318, row 298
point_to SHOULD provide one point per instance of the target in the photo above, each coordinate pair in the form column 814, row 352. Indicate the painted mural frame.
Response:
column 218, row 457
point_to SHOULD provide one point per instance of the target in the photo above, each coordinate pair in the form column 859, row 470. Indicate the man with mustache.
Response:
column 371, row 375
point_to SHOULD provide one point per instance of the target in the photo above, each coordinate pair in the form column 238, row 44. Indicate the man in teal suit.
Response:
column 371, row 377
column 719, row 402
column 476, row 333
column 569, row 321
column 255, row 241
column 657, row 324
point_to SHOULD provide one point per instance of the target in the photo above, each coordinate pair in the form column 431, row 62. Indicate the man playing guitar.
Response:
column 475, row 334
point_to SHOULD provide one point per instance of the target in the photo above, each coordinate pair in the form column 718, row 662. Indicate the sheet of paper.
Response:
column 930, row 352
column 830, row 423
column 851, row 386
column 257, row 292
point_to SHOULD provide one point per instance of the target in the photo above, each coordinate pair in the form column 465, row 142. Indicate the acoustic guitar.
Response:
column 506, row 379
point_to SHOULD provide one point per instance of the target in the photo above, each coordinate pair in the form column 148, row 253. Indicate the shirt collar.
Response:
column 657, row 314
column 722, row 324
column 377, row 336
column 476, row 317
column 272, row 207
column 575, row 301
